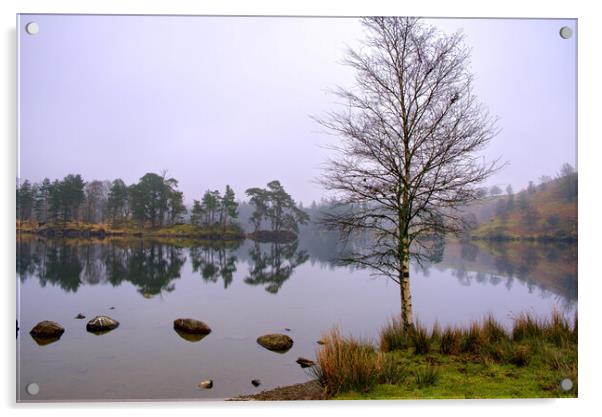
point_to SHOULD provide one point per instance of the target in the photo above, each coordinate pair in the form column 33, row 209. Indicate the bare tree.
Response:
column 410, row 133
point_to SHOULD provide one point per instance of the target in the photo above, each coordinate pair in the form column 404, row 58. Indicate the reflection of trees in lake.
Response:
column 150, row 266
column 273, row 263
column 62, row 267
column 215, row 261
column 549, row 267
column 58, row 263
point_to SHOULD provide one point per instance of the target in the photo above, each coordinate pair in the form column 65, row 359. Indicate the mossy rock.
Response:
column 276, row 341
column 191, row 326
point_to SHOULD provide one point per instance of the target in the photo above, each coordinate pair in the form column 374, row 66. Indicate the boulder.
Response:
column 256, row 382
column 207, row 384
column 191, row 326
column 101, row 324
column 305, row 363
column 80, row 316
column 276, row 341
column 47, row 330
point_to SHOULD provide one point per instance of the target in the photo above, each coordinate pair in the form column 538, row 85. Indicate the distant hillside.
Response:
column 544, row 212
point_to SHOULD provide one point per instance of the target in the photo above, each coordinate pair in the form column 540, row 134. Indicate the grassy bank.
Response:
column 484, row 360
column 81, row 229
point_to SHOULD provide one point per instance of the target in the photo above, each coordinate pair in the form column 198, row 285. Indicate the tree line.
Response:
column 566, row 188
column 153, row 201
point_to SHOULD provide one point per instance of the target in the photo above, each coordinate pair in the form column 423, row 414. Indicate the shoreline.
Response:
column 183, row 231
column 309, row 390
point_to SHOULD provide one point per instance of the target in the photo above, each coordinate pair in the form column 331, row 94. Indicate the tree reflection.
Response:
column 274, row 263
column 215, row 261
column 148, row 265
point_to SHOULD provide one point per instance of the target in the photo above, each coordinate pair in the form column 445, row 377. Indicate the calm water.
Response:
column 243, row 291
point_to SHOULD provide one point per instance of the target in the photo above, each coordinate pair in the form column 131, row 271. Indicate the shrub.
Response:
column 493, row 331
column 521, row 356
column 472, row 339
column 450, row 341
column 558, row 330
column 526, row 326
column 420, row 339
column 427, row 376
column 393, row 336
column 345, row 364
column 436, row 333
column 390, row 371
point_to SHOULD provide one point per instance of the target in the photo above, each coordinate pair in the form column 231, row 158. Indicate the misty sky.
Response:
column 224, row 100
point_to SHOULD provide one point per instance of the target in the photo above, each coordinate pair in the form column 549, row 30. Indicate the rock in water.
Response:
column 47, row 330
column 276, row 341
column 80, row 316
column 191, row 326
column 101, row 324
column 320, row 342
column 256, row 382
column 305, row 363
column 207, row 384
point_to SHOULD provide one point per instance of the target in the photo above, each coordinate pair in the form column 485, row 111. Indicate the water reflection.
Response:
column 215, row 261
column 544, row 267
column 272, row 264
column 149, row 265
column 153, row 266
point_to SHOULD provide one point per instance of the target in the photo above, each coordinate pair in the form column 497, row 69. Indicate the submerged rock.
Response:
column 276, row 341
column 46, row 330
column 80, row 316
column 191, row 326
column 101, row 324
column 305, row 363
column 207, row 384
column 256, row 382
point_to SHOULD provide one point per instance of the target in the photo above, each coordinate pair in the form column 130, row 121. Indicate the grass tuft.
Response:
column 420, row 339
column 427, row 376
column 345, row 364
column 393, row 336
column 450, row 341
column 473, row 339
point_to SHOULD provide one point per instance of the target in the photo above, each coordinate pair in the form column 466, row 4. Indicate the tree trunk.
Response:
column 407, row 316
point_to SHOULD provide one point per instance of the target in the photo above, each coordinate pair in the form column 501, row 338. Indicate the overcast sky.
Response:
column 223, row 100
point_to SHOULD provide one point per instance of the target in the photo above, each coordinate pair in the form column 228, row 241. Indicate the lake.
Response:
column 244, row 290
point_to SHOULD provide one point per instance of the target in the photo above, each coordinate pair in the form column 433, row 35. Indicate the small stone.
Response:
column 256, row 382
column 207, row 384
column 101, row 324
column 276, row 341
column 320, row 342
column 287, row 329
column 111, row 308
column 305, row 363
column 80, row 316
column 191, row 326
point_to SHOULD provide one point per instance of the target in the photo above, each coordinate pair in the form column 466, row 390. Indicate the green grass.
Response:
column 484, row 360
column 463, row 376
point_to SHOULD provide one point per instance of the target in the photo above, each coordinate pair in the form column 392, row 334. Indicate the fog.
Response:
column 228, row 100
